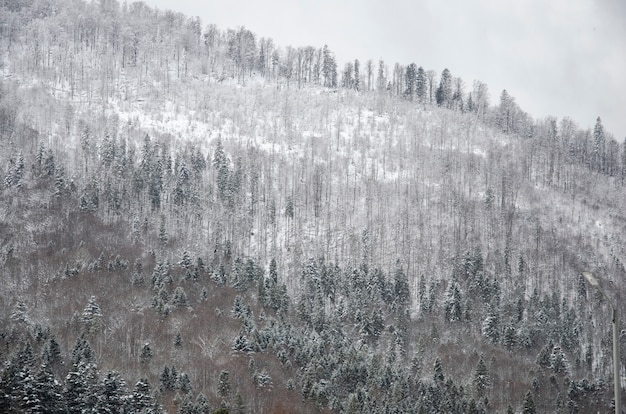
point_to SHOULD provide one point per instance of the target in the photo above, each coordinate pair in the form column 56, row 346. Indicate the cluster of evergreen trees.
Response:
column 40, row 379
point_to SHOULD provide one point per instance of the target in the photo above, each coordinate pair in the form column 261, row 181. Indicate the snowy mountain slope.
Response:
column 354, row 196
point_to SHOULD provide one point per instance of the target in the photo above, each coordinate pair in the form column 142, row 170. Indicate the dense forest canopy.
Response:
column 195, row 219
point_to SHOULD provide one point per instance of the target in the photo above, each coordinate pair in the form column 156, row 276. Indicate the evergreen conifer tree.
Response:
column 141, row 399
column 113, row 394
column 481, row 378
column 453, row 305
column 491, row 326
column 599, row 144
column 224, row 385
column 92, row 316
column 528, row 406
column 420, row 84
column 49, row 391
column 443, row 95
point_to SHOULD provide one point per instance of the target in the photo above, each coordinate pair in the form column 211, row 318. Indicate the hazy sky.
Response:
column 556, row 57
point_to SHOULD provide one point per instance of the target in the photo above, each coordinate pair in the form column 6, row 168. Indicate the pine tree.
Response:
column 443, row 95
column 599, row 143
column 52, row 352
column 224, row 385
column 347, row 81
column 165, row 380
column 239, row 310
column 49, row 391
column 491, row 326
column 20, row 315
column 623, row 162
column 49, row 166
column 510, row 336
column 40, row 157
column 377, row 323
column 113, row 392
column 543, row 358
column 381, row 80
column 146, row 353
column 82, row 351
column 529, row 404
column 186, row 261
column 18, row 171
column 481, row 378
column 289, row 208
column 240, row 407
column 401, row 287
column 202, row 405
column 357, row 75
column 108, row 149
column 184, row 383
column 163, row 233
column 60, row 183
column 92, row 316
column 17, row 382
column 179, row 298
column 506, row 113
column 141, row 399
column 453, row 306
column 438, row 376
column 457, row 96
column 178, row 340
column 410, row 79
column 420, row 84
column 81, row 387
column 471, row 107
column 24, row 394
column 155, row 184
column 329, row 68
column 558, row 361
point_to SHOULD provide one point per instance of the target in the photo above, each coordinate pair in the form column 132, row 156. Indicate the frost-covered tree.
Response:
column 163, row 238
column 544, row 356
column 224, row 386
column 357, row 75
column 491, row 326
column 452, row 306
column 347, row 80
column 558, row 361
column 113, row 393
column 421, row 84
column 381, row 78
column 410, row 79
column 20, row 312
column 329, row 68
column 51, row 354
column 81, row 387
column 438, row 376
column 599, row 147
column 509, row 338
column 179, row 298
column 401, row 287
column 92, row 316
column 48, row 392
column 146, row 353
column 528, row 406
column 141, row 399
column 444, row 91
column 481, row 378
column 240, row 310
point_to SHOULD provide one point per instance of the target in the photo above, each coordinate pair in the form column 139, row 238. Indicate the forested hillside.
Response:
column 194, row 219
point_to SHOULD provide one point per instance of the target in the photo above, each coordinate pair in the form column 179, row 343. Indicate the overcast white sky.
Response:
column 556, row 57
